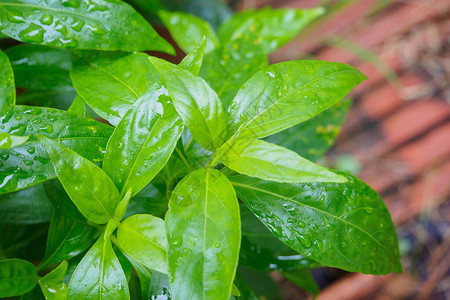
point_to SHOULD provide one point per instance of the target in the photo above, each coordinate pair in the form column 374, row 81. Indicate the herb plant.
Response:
column 204, row 178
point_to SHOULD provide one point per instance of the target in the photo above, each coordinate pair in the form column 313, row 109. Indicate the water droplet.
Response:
column 47, row 19
column 70, row 3
column 92, row 6
column 369, row 211
column 33, row 34
column 344, row 244
column 36, row 121
column 78, row 25
column 47, row 128
column 217, row 245
column 364, row 243
column 69, row 43
column 301, row 224
column 96, row 29
column 18, row 117
column 318, row 244
column 28, row 162
column 15, row 16
column 61, row 28
column 120, row 146
column 305, row 241
column 4, row 156
column 31, row 150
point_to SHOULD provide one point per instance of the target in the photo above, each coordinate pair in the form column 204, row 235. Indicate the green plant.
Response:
column 163, row 210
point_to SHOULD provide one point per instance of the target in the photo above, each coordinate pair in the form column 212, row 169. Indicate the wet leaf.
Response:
column 203, row 232
column 196, row 103
column 80, row 24
column 275, row 27
column 288, row 93
column 92, row 191
column 188, row 30
column 268, row 161
column 111, row 82
column 7, row 88
column 99, row 275
column 10, row 141
column 51, row 284
column 193, row 60
column 143, row 237
column 29, row 164
column 143, row 141
column 342, row 225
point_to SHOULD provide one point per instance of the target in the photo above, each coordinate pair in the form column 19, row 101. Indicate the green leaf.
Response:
column 111, row 82
column 312, row 138
column 261, row 250
column 29, row 164
column 194, row 60
column 28, row 206
column 99, row 275
column 268, row 161
column 188, row 30
column 17, row 277
column 79, row 24
column 275, row 27
column 260, row 283
column 9, row 141
column 60, row 98
column 203, row 232
column 78, row 107
column 92, row 191
column 7, row 88
column 228, row 67
column 143, row 237
column 343, row 225
column 40, row 67
column 59, row 198
column 288, row 93
column 51, row 284
column 303, row 279
column 143, row 141
column 66, row 238
column 196, row 103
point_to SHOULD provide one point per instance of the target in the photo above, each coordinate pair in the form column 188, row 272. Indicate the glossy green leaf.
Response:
column 143, row 237
column 78, row 106
column 246, row 293
column 288, row 93
column 343, row 225
column 80, row 24
column 60, row 200
column 228, row 67
column 193, row 60
column 92, row 191
column 7, row 88
column 303, row 279
column 51, row 284
column 196, row 103
column 188, row 30
column 60, row 98
column 268, row 161
column 17, row 277
column 99, row 275
column 9, row 141
column 66, row 238
column 203, row 232
column 40, row 67
column 111, row 82
column 275, row 27
column 261, row 250
column 143, row 141
column 28, row 206
column 312, row 138
column 29, row 164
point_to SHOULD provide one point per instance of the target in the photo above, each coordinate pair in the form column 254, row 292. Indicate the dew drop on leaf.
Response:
column 70, row 3
column 77, row 25
column 15, row 16
column 31, row 150
column 47, row 19
column 32, row 34
column 4, row 156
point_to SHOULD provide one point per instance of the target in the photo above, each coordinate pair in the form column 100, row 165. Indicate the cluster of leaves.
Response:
column 186, row 194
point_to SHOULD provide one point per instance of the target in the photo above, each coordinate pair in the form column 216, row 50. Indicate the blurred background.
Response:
column 397, row 134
